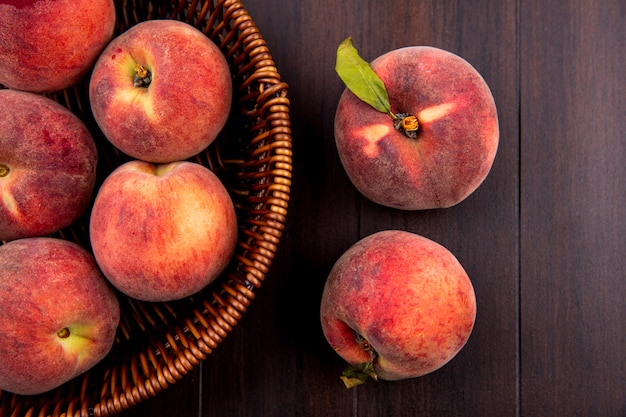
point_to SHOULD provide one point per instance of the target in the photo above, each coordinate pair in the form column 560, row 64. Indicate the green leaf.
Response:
column 355, row 375
column 360, row 78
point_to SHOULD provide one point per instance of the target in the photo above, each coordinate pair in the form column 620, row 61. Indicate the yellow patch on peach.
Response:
column 77, row 343
column 373, row 134
column 434, row 113
column 137, row 98
column 9, row 203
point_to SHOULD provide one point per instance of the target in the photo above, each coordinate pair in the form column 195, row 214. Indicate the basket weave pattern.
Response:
column 158, row 343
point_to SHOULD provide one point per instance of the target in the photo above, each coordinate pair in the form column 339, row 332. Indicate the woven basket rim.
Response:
column 254, row 160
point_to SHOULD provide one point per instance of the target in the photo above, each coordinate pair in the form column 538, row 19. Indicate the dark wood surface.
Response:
column 543, row 239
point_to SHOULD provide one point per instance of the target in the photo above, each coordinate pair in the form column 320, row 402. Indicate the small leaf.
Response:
column 354, row 375
column 352, row 382
column 360, row 78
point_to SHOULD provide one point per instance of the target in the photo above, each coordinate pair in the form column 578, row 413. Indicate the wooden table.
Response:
column 543, row 239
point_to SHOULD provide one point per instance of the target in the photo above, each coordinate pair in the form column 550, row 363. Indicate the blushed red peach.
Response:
column 400, row 301
column 162, row 232
column 47, row 165
column 457, row 136
column 161, row 91
column 59, row 315
column 49, row 45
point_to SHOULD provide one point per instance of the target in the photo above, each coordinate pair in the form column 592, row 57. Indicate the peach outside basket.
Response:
column 159, row 343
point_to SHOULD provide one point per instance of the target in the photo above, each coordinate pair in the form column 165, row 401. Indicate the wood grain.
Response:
column 572, row 289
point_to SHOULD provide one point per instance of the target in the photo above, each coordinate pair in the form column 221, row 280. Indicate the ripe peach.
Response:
column 162, row 232
column 397, row 305
column 49, row 45
column 47, row 165
column 455, row 142
column 161, row 91
column 59, row 315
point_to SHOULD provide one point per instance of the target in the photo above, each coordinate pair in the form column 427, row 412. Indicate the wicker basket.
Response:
column 158, row 343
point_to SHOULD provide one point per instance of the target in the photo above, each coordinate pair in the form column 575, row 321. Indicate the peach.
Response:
column 446, row 158
column 59, row 315
column 47, row 165
column 162, row 232
column 397, row 305
column 161, row 91
column 49, row 45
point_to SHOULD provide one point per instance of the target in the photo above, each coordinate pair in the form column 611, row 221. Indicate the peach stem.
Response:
column 4, row 170
column 143, row 77
column 356, row 375
column 64, row 333
column 407, row 124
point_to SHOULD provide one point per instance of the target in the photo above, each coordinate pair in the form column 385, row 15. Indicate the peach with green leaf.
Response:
column 396, row 305
column 415, row 129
